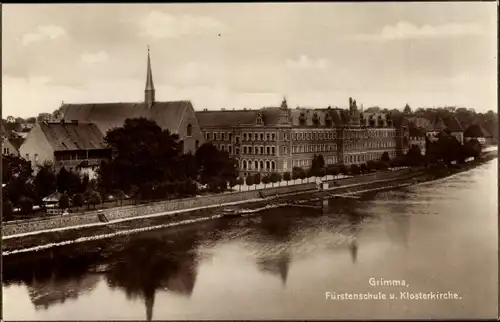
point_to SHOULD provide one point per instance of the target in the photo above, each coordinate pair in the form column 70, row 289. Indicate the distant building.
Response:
column 417, row 138
column 8, row 148
column 11, row 119
column 177, row 116
column 452, row 125
column 419, row 122
column 75, row 146
column 280, row 138
column 475, row 131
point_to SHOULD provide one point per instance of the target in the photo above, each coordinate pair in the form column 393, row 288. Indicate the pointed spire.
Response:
column 149, row 92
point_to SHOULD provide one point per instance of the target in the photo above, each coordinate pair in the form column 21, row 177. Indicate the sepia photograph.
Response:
column 250, row 161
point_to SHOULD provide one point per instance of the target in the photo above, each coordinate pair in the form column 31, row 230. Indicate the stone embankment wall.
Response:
column 91, row 217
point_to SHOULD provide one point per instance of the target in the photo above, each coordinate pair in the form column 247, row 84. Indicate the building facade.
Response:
column 276, row 139
column 76, row 147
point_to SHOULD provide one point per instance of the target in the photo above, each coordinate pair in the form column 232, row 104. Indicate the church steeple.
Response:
column 149, row 92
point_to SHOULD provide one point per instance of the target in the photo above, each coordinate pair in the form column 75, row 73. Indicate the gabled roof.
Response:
column 168, row 115
column 453, row 124
column 71, row 136
column 475, row 131
column 16, row 142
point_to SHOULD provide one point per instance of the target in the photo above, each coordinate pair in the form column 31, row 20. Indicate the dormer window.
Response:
column 315, row 118
column 302, row 118
column 328, row 120
column 259, row 118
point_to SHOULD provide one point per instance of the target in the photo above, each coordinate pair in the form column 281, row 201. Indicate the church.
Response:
column 177, row 116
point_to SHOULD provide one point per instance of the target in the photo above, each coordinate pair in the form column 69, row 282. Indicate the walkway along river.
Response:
column 438, row 237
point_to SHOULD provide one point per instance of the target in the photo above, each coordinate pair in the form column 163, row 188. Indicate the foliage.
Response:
column 64, row 201
column 275, row 177
column 318, row 163
column 78, row 200
column 414, row 157
column 45, row 180
column 142, row 152
column 215, row 167
column 266, row 179
column 26, row 205
column 7, row 209
column 249, row 181
column 15, row 167
column 343, row 169
column 68, row 181
column 472, row 148
column 372, row 165
column 94, row 198
column 385, row 157
column 363, row 168
column 287, row 176
column 355, row 169
column 332, row 170
column 256, row 178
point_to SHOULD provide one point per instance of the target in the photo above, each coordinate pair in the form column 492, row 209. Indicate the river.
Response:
column 438, row 237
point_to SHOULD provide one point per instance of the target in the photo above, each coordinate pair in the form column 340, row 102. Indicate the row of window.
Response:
column 301, row 136
column 348, row 159
column 220, row 136
column 257, row 165
column 314, row 148
column 269, row 150
column 259, row 136
column 370, row 145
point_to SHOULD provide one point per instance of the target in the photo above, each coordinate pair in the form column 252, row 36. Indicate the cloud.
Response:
column 305, row 62
column 95, row 58
column 406, row 30
column 160, row 25
column 43, row 32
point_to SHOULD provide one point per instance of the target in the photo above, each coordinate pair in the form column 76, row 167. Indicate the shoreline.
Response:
column 42, row 240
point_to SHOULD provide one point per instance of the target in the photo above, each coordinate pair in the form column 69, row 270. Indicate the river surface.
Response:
column 437, row 237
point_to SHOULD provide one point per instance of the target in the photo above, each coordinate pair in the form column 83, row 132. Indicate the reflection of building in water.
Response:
column 278, row 265
column 353, row 246
column 147, row 264
column 47, row 293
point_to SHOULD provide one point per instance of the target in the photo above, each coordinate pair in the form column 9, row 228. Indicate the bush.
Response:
column 343, row 169
column 64, row 202
column 385, row 157
column 296, row 172
column 355, row 170
column 287, row 176
column 332, row 170
column 26, row 205
column 94, row 198
column 256, row 178
column 7, row 210
column 382, row 165
column 249, row 180
column 265, row 179
column 78, row 200
column 275, row 177
column 363, row 168
column 372, row 165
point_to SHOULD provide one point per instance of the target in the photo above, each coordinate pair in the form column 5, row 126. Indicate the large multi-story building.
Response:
column 279, row 138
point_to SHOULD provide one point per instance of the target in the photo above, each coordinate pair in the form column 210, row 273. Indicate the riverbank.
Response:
column 35, row 240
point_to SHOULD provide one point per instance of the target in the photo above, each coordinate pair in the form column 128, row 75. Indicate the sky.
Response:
column 249, row 55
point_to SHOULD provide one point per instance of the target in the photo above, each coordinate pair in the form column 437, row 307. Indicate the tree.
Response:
column 343, row 169
column 407, row 109
column 26, row 205
column 298, row 173
column 256, row 178
column 249, row 180
column 318, row 163
column 355, row 169
column 7, row 209
column 214, row 165
column 382, row 165
column 78, row 200
column 372, row 165
column 94, row 199
column 64, row 201
column 472, row 148
column 275, row 177
column 46, row 180
column 385, row 157
column 15, row 167
column 68, row 181
column 332, row 170
column 287, row 177
column 414, row 156
column 266, row 179
column 118, row 195
column 142, row 153
column 363, row 168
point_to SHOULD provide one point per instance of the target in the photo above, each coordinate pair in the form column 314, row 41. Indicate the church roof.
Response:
column 73, row 136
column 168, row 115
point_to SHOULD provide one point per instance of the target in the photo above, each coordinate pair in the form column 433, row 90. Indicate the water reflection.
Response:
column 147, row 264
column 222, row 269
